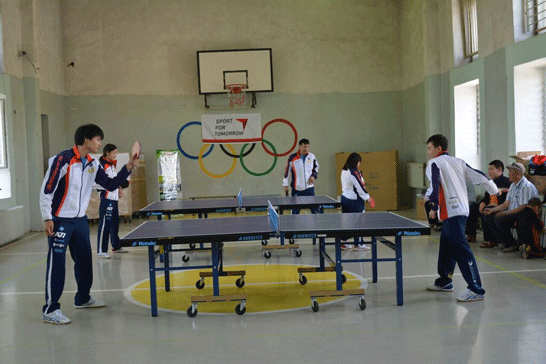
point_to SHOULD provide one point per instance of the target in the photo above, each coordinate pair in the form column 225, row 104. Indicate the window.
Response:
column 3, row 132
column 530, row 103
column 470, row 28
column 535, row 14
column 467, row 123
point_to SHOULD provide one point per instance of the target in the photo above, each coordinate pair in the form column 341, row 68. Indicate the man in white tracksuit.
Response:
column 303, row 167
column 449, row 197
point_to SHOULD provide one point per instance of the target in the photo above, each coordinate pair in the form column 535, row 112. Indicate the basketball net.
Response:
column 236, row 94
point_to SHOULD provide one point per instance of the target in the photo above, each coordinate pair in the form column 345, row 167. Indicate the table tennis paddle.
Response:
column 286, row 193
column 372, row 202
column 135, row 153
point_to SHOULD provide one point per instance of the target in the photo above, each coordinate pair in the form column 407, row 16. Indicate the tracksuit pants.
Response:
column 74, row 234
column 454, row 249
column 108, row 225
column 348, row 205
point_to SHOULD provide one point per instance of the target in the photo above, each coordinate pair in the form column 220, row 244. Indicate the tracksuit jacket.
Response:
column 300, row 173
column 67, row 189
column 447, row 175
column 110, row 169
column 352, row 185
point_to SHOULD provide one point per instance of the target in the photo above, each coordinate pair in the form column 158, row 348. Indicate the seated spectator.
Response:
column 529, row 227
column 500, row 219
column 495, row 171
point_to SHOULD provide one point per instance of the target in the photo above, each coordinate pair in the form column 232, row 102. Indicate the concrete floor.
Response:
column 509, row 326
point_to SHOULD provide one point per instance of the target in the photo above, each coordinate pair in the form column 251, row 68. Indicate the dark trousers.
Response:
column 472, row 222
column 348, row 205
column 454, row 249
column 308, row 192
column 501, row 228
column 74, row 234
column 108, row 225
column 529, row 228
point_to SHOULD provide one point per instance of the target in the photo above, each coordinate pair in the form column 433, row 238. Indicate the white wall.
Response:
column 466, row 131
column 529, row 84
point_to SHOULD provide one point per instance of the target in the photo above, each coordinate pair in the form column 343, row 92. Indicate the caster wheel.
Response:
column 264, row 242
column 298, row 253
column 240, row 282
column 343, row 278
column 291, row 241
column 267, row 255
column 191, row 311
column 362, row 304
column 303, row 280
column 314, row 306
column 240, row 310
column 192, row 246
column 185, row 258
column 200, row 284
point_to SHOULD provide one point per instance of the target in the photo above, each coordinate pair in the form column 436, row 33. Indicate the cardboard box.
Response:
column 524, row 157
column 139, row 196
column 540, row 183
column 380, row 171
column 92, row 211
column 421, row 213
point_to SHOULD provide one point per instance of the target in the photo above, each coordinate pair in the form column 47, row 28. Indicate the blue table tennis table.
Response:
column 321, row 226
column 202, row 207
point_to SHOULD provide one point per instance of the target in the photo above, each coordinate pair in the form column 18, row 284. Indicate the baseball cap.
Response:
column 517, row 166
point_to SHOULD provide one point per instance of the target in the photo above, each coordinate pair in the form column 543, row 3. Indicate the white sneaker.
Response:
column 120, row 250
column 362, row 247
column 92, row 303
column 347, row 246
column 56, row 317
column 103, row 256
column 447, row 288
column 469, row 296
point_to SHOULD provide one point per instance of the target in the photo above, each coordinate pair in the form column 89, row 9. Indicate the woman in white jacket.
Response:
column 354, row 194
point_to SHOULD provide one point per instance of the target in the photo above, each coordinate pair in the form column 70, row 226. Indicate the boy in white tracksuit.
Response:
column 109, row 210
column 64, row 198
column 449, row 197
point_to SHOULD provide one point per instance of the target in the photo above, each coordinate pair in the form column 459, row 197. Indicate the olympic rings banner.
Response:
column 230, row 152
column 231, row 128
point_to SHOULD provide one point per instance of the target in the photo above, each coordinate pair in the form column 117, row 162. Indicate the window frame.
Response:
column 535, row 13
column 4, row 160
column 469, row 15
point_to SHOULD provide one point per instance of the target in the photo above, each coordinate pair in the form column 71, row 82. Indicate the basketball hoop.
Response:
column 236, row 94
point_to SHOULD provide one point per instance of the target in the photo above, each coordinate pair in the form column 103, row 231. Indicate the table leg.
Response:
column 215, row 281
column 322, row 252
column 374, row 259
column 166, row 264
column 153, row 292
column 399, row 274
column 339, row 271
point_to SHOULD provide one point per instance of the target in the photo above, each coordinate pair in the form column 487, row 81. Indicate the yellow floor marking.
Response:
column 491, row 264
column 272, row 287
column 23, row 271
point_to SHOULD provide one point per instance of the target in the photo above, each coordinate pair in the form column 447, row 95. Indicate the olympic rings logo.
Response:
column 204, row 152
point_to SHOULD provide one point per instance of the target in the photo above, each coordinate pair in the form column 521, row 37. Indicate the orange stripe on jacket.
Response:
column 442, row 204
column 67, row 184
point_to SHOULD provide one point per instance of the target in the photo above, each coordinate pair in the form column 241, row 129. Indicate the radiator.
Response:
column 12, row 224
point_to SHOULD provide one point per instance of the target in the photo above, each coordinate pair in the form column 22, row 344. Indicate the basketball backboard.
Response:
column 218, row 68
